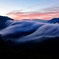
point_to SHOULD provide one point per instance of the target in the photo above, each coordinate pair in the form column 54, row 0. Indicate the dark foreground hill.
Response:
column 45, row 50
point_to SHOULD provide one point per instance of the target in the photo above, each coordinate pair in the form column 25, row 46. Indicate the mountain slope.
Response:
column 54, row 20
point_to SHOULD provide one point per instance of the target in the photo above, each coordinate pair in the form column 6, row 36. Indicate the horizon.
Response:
column 30, row 9
column 33, row 18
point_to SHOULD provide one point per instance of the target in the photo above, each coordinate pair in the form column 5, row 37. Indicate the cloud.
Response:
column 45, row 14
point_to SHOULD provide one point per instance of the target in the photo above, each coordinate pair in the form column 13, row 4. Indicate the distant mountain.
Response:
column 40, row 20
column 26, row 19
column 54, row 20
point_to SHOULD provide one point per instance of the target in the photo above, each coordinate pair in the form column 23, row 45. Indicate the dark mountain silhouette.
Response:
column 54, row 20
column 3, row 20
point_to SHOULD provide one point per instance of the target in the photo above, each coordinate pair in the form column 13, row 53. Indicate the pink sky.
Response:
column 45, row 14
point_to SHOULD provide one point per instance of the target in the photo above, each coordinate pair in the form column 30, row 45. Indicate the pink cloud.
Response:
column 47, row 14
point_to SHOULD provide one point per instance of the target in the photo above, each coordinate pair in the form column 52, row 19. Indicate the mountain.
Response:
column 39, row 20
column 4, row 20
column 35, row 20
column 54, row 20
column 26, row 19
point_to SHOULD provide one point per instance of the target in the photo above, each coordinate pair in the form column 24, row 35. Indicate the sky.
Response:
column 20, row 9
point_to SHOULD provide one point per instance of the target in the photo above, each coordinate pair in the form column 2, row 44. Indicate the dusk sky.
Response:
column 19, row 9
